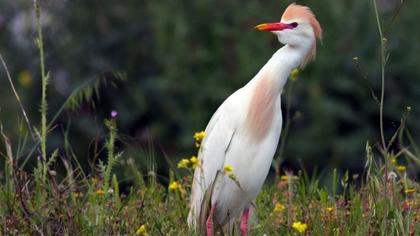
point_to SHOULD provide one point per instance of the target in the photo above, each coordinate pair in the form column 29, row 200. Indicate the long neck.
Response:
column 279, row 66
column 266, row 88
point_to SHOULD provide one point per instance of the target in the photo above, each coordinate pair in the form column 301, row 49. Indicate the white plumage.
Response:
column 245, row 130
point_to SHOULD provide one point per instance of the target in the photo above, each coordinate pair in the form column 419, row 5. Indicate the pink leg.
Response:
column 244, row 222
column 209, row 222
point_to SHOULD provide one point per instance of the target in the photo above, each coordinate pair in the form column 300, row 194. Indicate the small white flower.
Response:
column 392, row 175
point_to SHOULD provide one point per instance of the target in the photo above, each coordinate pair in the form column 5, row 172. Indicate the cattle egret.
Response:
column 243, row 133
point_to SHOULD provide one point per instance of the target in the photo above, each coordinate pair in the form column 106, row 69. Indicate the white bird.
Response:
column 244, row 131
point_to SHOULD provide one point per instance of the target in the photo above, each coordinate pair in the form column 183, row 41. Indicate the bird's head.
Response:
column 298, row 27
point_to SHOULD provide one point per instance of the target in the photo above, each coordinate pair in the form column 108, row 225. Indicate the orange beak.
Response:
column 273, row 26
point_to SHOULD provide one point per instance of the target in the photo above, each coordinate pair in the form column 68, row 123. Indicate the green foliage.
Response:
column 86, row 93
column 182, row 60
column 93, row 206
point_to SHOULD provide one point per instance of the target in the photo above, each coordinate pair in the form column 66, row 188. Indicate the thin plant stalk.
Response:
column 110, row 144
column 25, row 116
column 289, row 199
column 383, row 62
column 381, row 110
column 285, row 132
column 44, row 83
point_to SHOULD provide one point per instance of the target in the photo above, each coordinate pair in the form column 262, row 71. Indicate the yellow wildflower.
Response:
column 284, row 178
column 174, row 185
column 194, row 162
column 299, row 226
column 100, row 192
column 227, row 168
column 408, row 203
column 25, row 78
column 232, row 176
column 279, row 208
column 329, row 209
column 393, row 161
column 198, row 136
column 141, row 231
column 294, row 74
column 183, row 163
column 409, row 191
column 401, row 168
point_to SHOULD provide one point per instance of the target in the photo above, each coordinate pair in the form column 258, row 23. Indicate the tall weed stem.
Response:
column 44, row 83
column 384, row 148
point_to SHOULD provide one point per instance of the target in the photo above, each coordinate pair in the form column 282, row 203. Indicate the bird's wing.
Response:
column 214, row 147
column 219, row 133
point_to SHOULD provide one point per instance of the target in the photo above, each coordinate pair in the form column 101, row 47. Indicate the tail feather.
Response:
column 196, row 200
column 200, row 204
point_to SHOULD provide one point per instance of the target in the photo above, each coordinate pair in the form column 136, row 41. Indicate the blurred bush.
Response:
column 182, row 59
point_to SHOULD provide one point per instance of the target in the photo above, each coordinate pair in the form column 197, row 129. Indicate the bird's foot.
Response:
column 244, row 222
column 209, row 223
column 209, row 226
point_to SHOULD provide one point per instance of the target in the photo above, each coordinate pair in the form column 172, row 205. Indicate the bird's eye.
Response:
column 293, row 25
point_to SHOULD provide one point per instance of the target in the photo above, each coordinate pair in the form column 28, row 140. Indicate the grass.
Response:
column 91, row 205
column 382, row 200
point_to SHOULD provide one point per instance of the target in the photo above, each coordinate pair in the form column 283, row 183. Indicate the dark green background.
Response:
column 181, row 59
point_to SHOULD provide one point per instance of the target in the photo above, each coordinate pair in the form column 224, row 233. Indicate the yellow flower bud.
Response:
column 279, row 208
column 227, row 168
column 299, row 226
column 174, row 185
column 194, row 162
column 183, row 163
column 294, row 74
column 141, row 231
